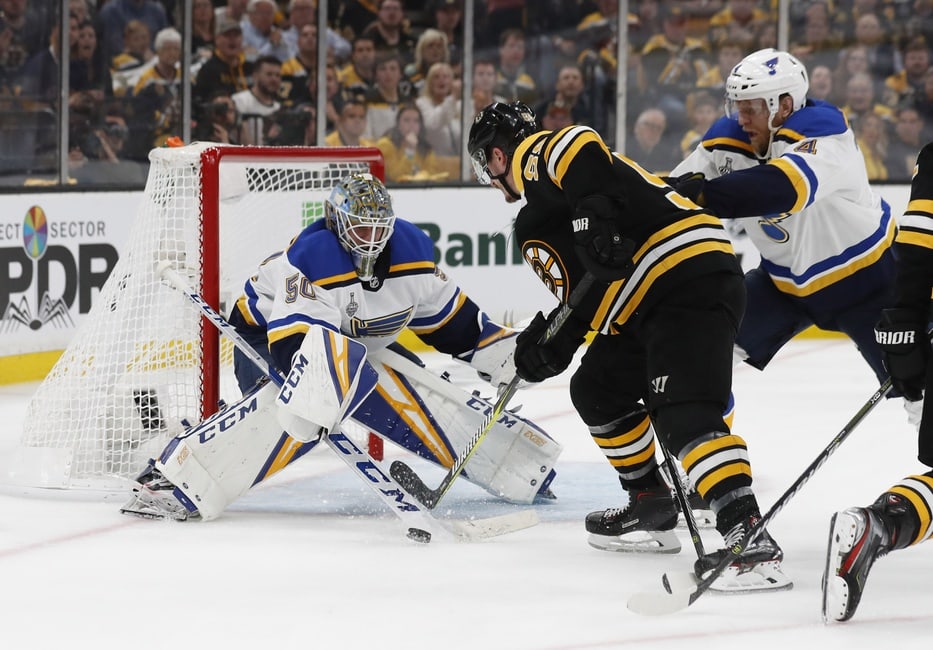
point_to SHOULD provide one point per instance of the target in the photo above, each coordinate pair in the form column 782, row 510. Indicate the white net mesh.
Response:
column 137, row 367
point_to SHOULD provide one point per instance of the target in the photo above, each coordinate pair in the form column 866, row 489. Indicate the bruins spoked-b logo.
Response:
column 548, row 266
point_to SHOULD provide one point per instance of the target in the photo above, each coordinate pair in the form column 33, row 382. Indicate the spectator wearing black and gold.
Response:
column 739, row 20
column 569, row 95
column 387, row 94
column 905, row 143
column 227, row 70
column 351, row 124
column 728, row 55
column 390, row 30
column 127, row 65
column 156, row 98
column 301, row 69
column 408, row 156
column 447, row 16
column 816, row 41
column 671, row 64
column 512, row 81
column 359, row 75
column 902, row 86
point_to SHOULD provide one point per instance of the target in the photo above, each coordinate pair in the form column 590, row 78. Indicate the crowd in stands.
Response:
column 394, row 75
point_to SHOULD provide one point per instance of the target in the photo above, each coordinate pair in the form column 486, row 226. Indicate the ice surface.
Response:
column 313, row 560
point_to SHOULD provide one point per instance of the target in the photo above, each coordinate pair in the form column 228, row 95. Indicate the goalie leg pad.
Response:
column 218, row 460
column 329, row 378
column 431, row 417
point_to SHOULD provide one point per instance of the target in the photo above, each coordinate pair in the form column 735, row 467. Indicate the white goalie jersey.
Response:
column 314, row 282
column 836, row 225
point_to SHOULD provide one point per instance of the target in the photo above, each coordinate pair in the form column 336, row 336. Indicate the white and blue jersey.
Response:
column 314, row 281
column 825, row 237
column 815, row 219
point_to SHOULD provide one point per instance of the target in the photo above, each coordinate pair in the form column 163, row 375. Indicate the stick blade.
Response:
column 658, row 603
column 473, row 529
column 406, row 477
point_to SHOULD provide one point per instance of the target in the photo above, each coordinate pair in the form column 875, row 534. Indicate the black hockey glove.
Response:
column 689, row 185
column 535, row 361
column 600, row 245
column 903, row 341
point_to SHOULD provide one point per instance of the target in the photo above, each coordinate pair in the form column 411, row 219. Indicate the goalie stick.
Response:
column 658, row 603
column 409, row 479
column 417, row 521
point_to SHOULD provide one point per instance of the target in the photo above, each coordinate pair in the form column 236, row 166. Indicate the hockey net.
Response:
column 144, row 361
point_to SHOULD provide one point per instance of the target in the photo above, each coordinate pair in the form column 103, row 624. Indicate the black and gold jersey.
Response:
column 914, row 242
column 675, row 239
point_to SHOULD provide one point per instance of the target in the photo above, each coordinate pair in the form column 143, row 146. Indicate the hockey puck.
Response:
column 419, row 535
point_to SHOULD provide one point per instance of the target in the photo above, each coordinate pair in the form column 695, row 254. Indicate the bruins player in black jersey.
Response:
column 903, row 515
column 666, row 305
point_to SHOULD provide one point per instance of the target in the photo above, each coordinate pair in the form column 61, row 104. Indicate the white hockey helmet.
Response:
column 359, row 211
column 767, row 74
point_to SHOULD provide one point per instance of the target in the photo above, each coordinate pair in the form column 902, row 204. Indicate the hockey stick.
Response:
column 683, row 501
column 418, row 521
column 409, row 479
column 657, row 603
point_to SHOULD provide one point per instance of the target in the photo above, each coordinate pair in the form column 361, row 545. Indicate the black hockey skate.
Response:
column 155, row 497
column 645, row 525
column 857, row 537
column 757, row 568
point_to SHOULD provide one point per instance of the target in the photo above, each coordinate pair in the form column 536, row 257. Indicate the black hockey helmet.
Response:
column 498, row 125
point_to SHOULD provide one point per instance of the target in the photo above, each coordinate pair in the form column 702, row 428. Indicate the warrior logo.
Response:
column 658, row 384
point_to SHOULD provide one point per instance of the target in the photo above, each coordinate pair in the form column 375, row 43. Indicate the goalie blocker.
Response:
column 332, row 378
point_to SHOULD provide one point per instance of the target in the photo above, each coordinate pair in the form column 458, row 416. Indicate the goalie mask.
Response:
column 359, row 211
column 498, row 125
column 767, row 74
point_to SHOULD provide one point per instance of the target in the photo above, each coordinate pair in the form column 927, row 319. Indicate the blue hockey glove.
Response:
column 903, row 341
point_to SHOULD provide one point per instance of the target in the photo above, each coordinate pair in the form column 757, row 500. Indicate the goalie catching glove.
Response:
column 536, row 361
column 600, row 245
column 902, row 338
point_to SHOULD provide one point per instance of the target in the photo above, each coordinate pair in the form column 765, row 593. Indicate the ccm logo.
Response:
column 894, row 338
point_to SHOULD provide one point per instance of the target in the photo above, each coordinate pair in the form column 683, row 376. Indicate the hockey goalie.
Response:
column 325, row 314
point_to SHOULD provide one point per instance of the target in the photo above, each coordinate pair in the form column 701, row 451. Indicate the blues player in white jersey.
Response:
column 363, row 272
column 322, row 313
column 901, row 516
column 789, row 167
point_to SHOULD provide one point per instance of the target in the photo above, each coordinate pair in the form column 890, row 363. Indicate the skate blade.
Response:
column 842, row 534
column 638, row 542
column 766, row 576
column 148, row 505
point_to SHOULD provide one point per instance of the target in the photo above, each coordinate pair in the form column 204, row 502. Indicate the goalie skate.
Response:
column 154, row 497
column 645, row 525
column 757, row 568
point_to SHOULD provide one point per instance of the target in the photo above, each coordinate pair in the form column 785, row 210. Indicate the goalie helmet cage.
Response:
column 144, row 361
